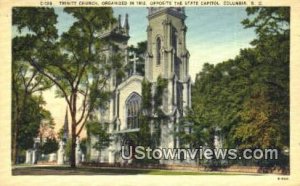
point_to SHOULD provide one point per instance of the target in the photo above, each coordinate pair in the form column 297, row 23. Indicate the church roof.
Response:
column 129, row 80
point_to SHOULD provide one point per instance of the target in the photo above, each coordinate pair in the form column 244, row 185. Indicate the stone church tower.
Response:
column 168, row 57
column 117, row 38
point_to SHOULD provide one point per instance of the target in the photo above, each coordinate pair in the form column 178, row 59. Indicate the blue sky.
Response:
column 215, row 34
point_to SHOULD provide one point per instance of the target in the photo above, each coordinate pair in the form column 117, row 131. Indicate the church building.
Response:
column 167, row 57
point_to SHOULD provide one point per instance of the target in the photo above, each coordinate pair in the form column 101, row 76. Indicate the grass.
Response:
column 63, row 170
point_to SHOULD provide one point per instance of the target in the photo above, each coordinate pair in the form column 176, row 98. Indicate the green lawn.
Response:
column 63, row 170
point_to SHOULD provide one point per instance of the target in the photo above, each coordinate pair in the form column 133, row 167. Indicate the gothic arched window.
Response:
column 158, row 49
column 133, row 105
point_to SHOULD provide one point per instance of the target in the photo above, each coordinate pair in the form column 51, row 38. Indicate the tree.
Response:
column 140, row 51
column 84, row 145
column 248, row 97
column 270, row 121
column 74, row 63
column 60, row 133
column 50, row 146
column 100, row 132
column 26, row 83
column 46, row 128
column 31, row 119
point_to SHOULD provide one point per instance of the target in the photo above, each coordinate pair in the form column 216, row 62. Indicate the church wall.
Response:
column 133, row 84
column 157, row 31
column 165, row 68
column 93, row 152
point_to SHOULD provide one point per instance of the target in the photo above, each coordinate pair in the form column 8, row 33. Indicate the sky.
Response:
column 215, row 34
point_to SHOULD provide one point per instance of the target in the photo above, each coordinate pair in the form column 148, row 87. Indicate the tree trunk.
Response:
column 18, row 115
column 15, row 146
column 73, row 145
column 15, row 131
column 14, row 141
column 14, row 125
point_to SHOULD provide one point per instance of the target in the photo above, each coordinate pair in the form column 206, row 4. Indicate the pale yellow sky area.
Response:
column 57, row 107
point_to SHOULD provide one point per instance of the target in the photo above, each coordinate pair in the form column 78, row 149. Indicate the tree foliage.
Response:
column 99, row 131
column 49, row 146
column 248, row 97
column 73, row 62
column 140, row 51
column 27, row 83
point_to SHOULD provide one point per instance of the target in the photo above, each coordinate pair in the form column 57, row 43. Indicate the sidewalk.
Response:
column 83, row 170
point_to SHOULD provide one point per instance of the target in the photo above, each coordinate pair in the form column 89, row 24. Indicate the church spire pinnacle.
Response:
column 119, row 21
column 66, row 126
column 126, row 24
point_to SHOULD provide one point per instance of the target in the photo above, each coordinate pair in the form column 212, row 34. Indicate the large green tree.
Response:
column 247, row 97
column 49, row 146
column 265, row 115
column 73, row 62
column 26, row 85
column 26, row 81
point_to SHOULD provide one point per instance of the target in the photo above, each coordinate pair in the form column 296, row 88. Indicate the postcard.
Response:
column 134, row 92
